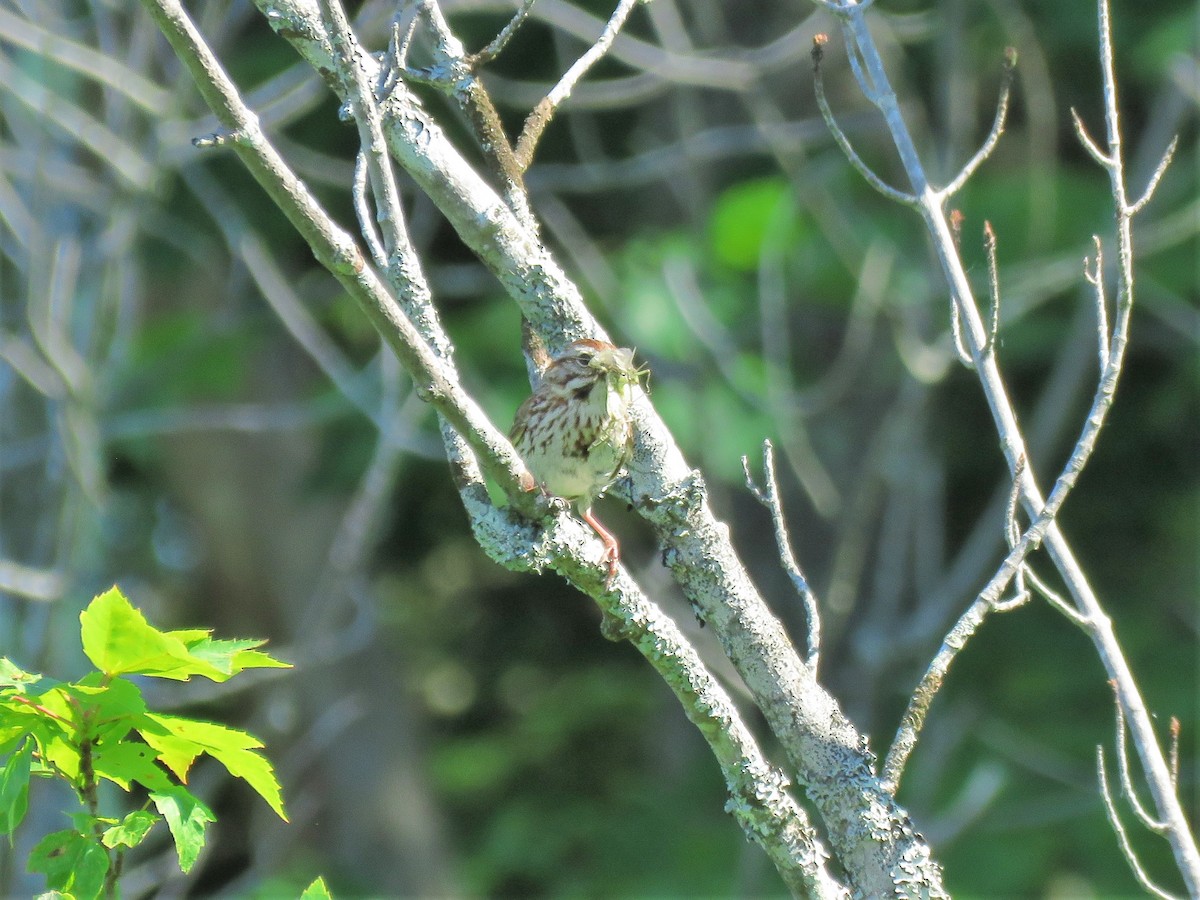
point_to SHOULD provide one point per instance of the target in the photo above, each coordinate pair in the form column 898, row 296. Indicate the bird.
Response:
column 575, row 431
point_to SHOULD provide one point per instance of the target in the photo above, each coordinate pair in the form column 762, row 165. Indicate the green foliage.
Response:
column 99, row 729
column 318, row 890
column 744, row 217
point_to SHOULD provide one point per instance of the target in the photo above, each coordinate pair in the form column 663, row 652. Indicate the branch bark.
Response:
column 872, row 836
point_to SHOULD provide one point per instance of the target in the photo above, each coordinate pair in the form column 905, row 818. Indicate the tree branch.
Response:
column 1012, row 441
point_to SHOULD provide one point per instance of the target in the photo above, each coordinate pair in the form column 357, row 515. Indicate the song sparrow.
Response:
column 575, row 431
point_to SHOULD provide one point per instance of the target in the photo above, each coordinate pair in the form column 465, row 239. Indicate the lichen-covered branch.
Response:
column 872, row 837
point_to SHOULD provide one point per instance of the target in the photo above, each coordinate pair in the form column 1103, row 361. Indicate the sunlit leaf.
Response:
column 318, row 890
column 176, row 737
column 128, row 761
column 12, row 676
column 132, row 830
column 230, row 656
column 14, row 788
column 187, row 818
column 71, row 862
column 118, row 640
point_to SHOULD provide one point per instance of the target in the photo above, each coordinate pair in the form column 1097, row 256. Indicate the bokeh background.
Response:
column 189, row 407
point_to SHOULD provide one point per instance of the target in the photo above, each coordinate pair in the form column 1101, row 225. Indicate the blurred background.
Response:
column 191, row 408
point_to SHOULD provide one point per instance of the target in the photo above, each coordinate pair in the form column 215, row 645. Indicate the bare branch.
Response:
column 840, row 137
column 1152, row 184
column 1012, row 532
column 500, row 41
column 1013, row 443
column 1056, row 599
column 768, row 496
column 397, row 59
column 759, row 799
column 403, row 267
column 537, row 121
column 1175, row 729
column 362, row 211
column 960, row 346
column 1086, row 139
column 1110, row 807
column 989, row 246
column 1127, row 786
column 993, row 138
column 456, row 75
column 869, row 90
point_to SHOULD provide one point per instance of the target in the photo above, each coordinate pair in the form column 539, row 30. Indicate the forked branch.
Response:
column 768, row 496
column 975, row 336
column 537, row 120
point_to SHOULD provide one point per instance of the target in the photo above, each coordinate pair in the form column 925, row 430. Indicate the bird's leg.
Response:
column 611, row 553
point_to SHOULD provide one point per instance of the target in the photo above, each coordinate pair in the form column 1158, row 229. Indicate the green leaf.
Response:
column 132, row 830
column 11, row 676
column 111, row 705
column 318, row 890
column 71, row 862
column 175, row 752
column 14, row 788
column 231, row 656
column 742, row 218
column 118, row 640
column 179, row 740
column 187, row 818
column 125, row 761
column 59, row 752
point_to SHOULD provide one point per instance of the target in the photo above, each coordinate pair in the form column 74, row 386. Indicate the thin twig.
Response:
column 537, row 120
column 1127, row 786
column 396, row 61
column 993, row 138
column 1012, row 534
column 989, row 247
column 1152, row 184
column 856, row 67
column 1110, row 808
column 1056, row 599
column 1086, row 139
column 500, row 41
column 403, row 266
column 366, row 223
column 1175, row 729
column 840, row 137
column 768, row 496
column 960, row 346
